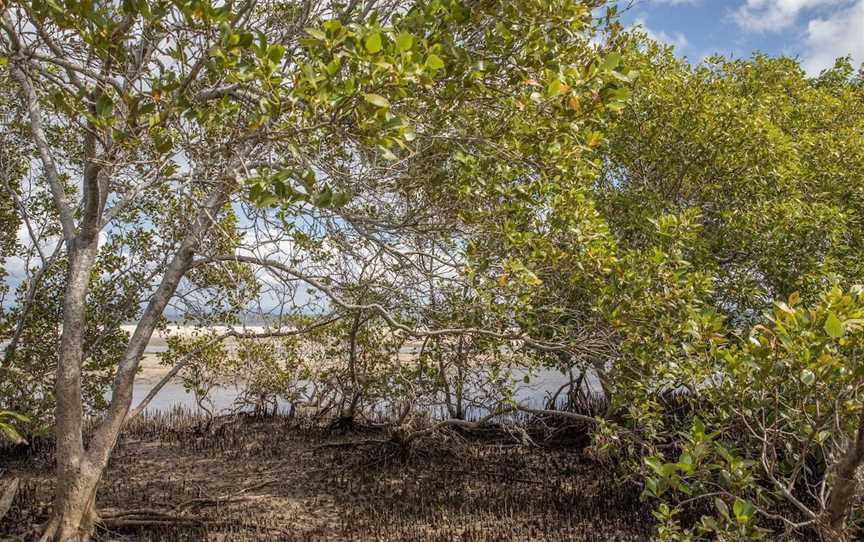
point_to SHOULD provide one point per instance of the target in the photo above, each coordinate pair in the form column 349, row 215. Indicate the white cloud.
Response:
column 676, row 2
column 840, row 34
column 776, row 15
column 678, row 39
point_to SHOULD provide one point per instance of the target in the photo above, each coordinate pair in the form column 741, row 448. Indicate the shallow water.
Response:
column 542, row 384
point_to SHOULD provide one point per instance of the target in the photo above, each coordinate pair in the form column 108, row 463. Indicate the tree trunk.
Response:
column 73, row 507
column 827, row 533
column 460, row 380
column 74, row 514
column 74, row 518
column 348, row 414
column 832, row 525
column 78, row 470
column 7, row 497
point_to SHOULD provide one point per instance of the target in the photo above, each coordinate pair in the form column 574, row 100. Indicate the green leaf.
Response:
column 275, row 53
column 376, row 100
column 721, row 507
column 743, row 510
column 388, row 154
column 833, row 326
column 10, row 414
column 325, row 197
column 373, row 42
column 11, row 434
column 404, row 42
column 340, row 199
column 612, row 61
column 807, row 377
column 554, row 87
column 104, row 106
column 246, row 39
column 655, row 464
column 685, row 463
column 654, row 487
column 434, row 62
column 316, row 33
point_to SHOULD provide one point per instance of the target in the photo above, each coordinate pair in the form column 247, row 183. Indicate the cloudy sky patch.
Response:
column 814, row 31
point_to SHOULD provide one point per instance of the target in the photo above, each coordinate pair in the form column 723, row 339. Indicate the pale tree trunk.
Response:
column 74, row 512
column 75, row 482
column 832, row 524
column 79, row 469
column 347, row 413
column 79, row 472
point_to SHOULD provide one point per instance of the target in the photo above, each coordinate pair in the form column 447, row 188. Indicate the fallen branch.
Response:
column 202, row 502
column 353, row 443
column 140, row 517
column 125, row 520
column 173, row 522
column 8, row 496
column 404, row 436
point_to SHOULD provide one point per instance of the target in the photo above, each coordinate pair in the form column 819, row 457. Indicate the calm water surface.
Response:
column 542, row 383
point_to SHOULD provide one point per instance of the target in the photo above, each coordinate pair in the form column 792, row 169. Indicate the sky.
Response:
column 814, row 31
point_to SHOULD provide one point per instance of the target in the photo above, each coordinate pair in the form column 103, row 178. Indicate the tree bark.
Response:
column 7, row 496
column 75, row 486
column 78, row 470
column 74, row 512
column 832, row 525
column 74, row 517
column 348, row 414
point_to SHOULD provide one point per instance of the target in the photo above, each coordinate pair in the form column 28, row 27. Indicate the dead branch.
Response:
column 8, row 496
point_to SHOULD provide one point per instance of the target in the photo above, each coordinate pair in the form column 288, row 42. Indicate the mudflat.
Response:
column 173, row 477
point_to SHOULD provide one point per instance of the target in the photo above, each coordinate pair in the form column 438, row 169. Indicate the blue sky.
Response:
column 815, row 31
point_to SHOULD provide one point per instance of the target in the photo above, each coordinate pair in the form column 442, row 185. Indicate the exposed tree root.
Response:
column 176, row 516
column 143, row 517
column 153, row 518
column 341, row 425
column 404, row 436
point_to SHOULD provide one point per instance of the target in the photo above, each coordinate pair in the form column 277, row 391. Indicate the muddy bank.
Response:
column 279, row 479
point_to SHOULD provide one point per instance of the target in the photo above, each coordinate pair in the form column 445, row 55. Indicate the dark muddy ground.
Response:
column 275, row 479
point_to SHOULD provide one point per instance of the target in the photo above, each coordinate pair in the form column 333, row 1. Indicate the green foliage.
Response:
column 276, row 371
column 26, row 379
column 7, row 426
column 784, row 400
column 719, row 194
column 770, row 158
column 659, row 306
column 692, row 235
column 205, row 364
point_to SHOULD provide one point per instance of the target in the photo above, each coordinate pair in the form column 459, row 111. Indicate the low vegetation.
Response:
column 375, row 215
